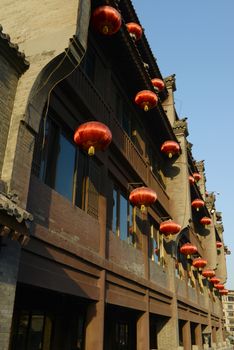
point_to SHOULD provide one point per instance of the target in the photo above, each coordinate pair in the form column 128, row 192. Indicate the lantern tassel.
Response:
column 91, row 151
column 188, row 256
column 146, row 108
column 197, row 209
column 105, row 30
column 142, row 208
column 170, row 155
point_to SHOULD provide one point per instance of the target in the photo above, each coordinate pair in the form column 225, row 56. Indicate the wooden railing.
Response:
column 104, row 113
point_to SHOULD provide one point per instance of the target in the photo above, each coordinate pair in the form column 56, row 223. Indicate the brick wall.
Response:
column 8, row 84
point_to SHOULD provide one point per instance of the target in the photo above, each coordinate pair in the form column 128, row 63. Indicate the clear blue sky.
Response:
column 195, row 40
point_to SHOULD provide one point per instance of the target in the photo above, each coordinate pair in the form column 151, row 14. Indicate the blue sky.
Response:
column 194, row 40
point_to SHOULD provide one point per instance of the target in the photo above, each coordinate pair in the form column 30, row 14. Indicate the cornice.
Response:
column 181, row 127
column 170, row 82
column 11, row 52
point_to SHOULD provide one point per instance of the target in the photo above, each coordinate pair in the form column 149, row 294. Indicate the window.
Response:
column 154, row 240
column 33, row 331
column 231, row 314
column 230, row 307
column 230, row 298
column 123, row 113
column 121, row 336
column 66, row 168
column 122, row 216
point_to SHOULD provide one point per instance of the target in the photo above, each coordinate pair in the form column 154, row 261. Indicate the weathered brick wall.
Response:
column 8, row 84
column 43, row 33
column 9, row 257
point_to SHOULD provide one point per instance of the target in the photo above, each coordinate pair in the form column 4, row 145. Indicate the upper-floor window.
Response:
column 154, row 240
column 230, row 298
column 122, row 216
column 123, row 114
column 64, row 167
column 230, row 307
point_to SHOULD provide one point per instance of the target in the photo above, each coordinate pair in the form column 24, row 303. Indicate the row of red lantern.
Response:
column 94, row 135
column 195, row 178
column 107, row 20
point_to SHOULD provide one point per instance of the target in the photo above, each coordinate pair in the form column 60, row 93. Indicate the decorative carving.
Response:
column 181, row 126
column 171, row 82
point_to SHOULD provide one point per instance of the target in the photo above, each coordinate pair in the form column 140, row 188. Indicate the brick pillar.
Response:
column 168, row 332
column 9, row 263
column 94, row 336
column 187, row 336
column 198, row 336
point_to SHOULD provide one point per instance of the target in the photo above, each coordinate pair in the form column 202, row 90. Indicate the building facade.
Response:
column 97, row 272
column 228, row 310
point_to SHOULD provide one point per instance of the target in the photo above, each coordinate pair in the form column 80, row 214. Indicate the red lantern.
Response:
column 214, row 280
column 169, row 227
column 170, row 148
column 198, row 203
column 188, row 249
column 135, row 30
column 219, row 244
column 199, row 263
column 197, row 176
column 106, row 20
column 93, row 136
column 219, row 286
column 158, row 84
column 205, row 221
column 146, row 100
column 191, row 179
column 143, row 197
column 223, row 291
column 208, row 273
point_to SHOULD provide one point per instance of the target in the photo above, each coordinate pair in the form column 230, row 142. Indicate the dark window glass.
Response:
column 154, row 246
column 123, row 218
column 20, row 337
column 115, row 211
column 65, row 166
column 36, row 332
column 121, row 336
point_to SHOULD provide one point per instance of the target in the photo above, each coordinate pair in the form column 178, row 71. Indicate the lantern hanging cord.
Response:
column 57, row 82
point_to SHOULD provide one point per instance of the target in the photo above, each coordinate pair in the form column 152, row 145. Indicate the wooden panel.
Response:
column 37, row 271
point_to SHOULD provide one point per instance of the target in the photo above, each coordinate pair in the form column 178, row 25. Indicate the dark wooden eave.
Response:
column 12, row 54
column 127, row 60
column 148, row 57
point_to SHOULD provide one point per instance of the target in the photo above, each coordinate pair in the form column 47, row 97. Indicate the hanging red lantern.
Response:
column 170, row 148
column 188, row 249
column 219, row 244
column 158, row 84
column 134, row 30
column 169, row 227
column 224, row 291
column 219, row 286
column 106, row 20
column 205, row 221
column 198, row 203
column 93, row 136
column 196, row 177
column 191, row 180
column 214, row 280
column 208, row 273
column 199, row 263
column 146, row 100
column 142, row 197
